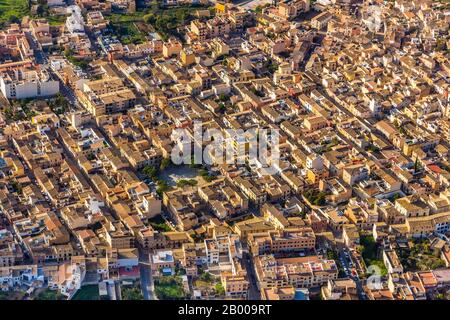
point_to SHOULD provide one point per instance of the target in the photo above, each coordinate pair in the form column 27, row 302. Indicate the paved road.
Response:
column 66, row 91
column 348, row 264
column 39, row 55
column 253, row 292
column 72, row 162
column 148, row 288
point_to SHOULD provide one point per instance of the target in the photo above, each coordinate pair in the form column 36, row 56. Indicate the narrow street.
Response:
column 253, row 292
column 345, row 260
column 147, row 285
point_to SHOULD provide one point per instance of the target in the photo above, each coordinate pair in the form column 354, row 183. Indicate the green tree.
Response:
column 149, row 18
column 169, row 288
column 320, row 200
column 223, row 97
column 16, row 186
column 184, row 182
column 162, row 187
column 220, row 289
column 13, row 19
column 151, row 172
column 59, row 104
column 396, row 196
column 165, row 163
column 416, row 165
column 206, row 277
column 132, row 293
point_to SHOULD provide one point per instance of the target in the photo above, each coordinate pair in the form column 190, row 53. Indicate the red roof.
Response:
column 434, row 168
column 123, row 272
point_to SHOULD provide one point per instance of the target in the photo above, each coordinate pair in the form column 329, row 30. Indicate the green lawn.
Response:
column 88, row 292
column 169, row 288
column 13, row 8
column 128, row 33
column 137, row 16
column 369, row 253
column 164, row 20
column 56, row 20
column 219, row 289
column 48, row 294
column 124, row 27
